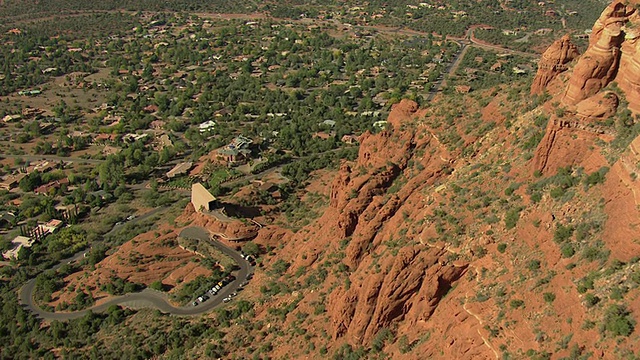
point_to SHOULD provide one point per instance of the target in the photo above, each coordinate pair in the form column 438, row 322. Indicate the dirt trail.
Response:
column 485, row 340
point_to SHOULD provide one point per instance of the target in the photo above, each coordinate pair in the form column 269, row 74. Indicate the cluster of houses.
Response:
column 31, row 236
column 11, row 181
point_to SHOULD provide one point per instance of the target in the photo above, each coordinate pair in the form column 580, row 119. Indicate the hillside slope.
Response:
column 449, row 237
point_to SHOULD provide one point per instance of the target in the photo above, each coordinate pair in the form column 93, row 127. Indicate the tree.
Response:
column 251, row 248
column 111, row 172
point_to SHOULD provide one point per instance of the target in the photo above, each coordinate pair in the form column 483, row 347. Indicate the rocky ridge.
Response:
column 608, row 68
column 442, row 286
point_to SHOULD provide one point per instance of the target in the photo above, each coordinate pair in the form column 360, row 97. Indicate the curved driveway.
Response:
column 149, row 297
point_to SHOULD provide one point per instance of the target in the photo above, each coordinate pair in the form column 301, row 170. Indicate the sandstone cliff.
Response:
column 611, row 56
column 586, row 109
column 553, row 62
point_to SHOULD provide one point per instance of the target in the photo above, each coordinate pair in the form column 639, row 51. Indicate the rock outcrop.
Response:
column 553, row 62
column 410, row 290
column 611, row 56
column 598, row 107
column 623, row 203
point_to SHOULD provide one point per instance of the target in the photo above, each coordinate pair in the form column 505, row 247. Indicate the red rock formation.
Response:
column 623, row 204
column 553, row 62
column 410, row 290
column 598, row 107
column 612, row 56
column 568, row 142
column 597, row 67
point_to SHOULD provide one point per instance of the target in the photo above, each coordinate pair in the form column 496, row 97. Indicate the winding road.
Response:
column 147, row 297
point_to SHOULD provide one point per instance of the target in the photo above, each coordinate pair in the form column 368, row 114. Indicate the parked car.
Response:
column 195, row 303
column 131, row 217
column 226, row 300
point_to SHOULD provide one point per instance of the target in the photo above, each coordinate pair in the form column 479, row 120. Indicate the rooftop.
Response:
column 180, row 169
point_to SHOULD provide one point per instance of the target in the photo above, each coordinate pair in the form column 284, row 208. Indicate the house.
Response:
column 380, row 124
column 237, row 152
column 11, row 181
column 207, row 126
column 110, row 150
column 164, row 141
column 105, row 138
column 350, row 139
column 41, row 166
column 496, row 67
column 134, row 137
column 150, row 108
column 157, row 124
column 179, row 169
column 42, row 230
column 543, row 31
column 46, row 188
column 29, row 92
column 29, row 113
column 322, row 135
column 46, row 127
column 11, row 118
column 463, row 89
column 53, row 225
column 18, row 243
column 7, row 219
column 518, row 70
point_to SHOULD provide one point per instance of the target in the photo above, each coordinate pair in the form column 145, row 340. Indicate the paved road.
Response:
column 148, row 297
column 53, row 158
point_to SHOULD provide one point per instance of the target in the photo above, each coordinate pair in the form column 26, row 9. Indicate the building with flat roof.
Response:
column 201, row 198
column 179, row 169
column 11, row 181
column 18, row 243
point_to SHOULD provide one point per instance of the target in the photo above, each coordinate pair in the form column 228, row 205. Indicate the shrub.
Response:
column 536, row 197
column 591, row 300
column 562, row 233
column 549, row 297
column 618, row 321
column 516, row 303
column 502, row 247
column 533, row 265
column 593, row 253
column 567, row 250
column 511, row 218
column 156, row 285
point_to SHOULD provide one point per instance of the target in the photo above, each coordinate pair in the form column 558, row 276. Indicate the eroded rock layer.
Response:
column 553, row 62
